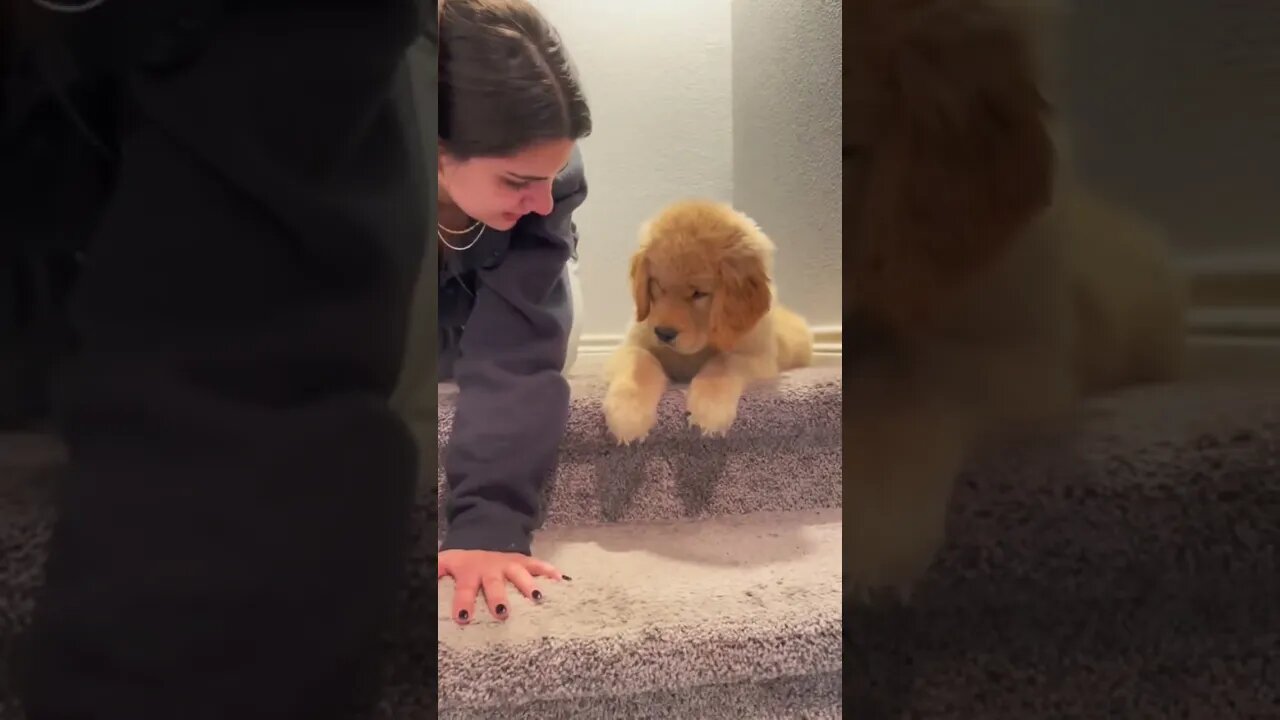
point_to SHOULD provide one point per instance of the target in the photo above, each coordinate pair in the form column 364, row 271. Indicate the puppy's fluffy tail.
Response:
column 1130, row 301
column 795, row 339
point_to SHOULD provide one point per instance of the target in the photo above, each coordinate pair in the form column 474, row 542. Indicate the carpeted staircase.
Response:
column 706, row 572
column 1129, row 568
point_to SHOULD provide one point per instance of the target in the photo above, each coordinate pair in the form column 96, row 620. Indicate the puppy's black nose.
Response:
column 666, row 334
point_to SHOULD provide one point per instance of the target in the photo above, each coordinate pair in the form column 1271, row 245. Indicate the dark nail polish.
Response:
column 537, row 595
column 502, row 609
column 463, row 615
column 566, row 577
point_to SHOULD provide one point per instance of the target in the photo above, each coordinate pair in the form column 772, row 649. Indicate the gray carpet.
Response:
column 736, row 595
column 807, row 697
column 783, row 453
column 1125, row 569
column 1128, row 569
column 706, row 572
column 674, row 607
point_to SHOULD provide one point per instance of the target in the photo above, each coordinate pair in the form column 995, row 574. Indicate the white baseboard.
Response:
column 1234, row 322
column 595, row 344
column 827, row 342
column 1238, row 280
column 1224, row 344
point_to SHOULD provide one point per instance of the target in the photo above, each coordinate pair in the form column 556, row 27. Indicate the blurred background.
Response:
column 1175, row 111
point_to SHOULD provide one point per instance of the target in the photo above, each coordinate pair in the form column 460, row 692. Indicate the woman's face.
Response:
column 498, row 191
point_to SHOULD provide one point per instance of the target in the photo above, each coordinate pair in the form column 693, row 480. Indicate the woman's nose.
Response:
column 540, row 200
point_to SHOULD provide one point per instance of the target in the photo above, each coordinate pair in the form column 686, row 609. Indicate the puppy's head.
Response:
column 951, row 155
column 701, row 276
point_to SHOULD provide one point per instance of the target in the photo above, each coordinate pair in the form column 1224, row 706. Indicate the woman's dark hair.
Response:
column 506, row 81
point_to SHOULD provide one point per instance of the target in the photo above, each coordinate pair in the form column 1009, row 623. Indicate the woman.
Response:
column 510, row 177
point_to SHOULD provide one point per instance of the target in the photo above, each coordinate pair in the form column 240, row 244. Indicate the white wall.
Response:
column 736, row 100
column 787, row 117
column 1178, row 112
column 658, row 76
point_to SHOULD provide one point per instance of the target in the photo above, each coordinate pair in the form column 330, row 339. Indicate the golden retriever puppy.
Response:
column 987, row 288
column 706, row 314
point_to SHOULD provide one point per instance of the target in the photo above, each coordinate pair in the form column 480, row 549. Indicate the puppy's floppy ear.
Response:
column 741, row 298
column 960, row 157
column 640, row 284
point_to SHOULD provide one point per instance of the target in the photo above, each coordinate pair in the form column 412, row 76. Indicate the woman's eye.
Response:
column 698, row 294
column 515, row 184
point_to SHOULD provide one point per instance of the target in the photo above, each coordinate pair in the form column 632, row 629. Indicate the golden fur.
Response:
column 702, row 278
column 986, row 287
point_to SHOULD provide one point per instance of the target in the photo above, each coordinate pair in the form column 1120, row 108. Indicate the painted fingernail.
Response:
column 566, row 577
column 463, row 615
column 502, row 609
column 536, row 595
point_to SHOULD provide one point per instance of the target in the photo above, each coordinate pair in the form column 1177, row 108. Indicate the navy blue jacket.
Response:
column 505, row 315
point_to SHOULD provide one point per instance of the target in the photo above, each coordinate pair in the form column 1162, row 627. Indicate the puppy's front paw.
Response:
column 713, row 404
column 628, row 413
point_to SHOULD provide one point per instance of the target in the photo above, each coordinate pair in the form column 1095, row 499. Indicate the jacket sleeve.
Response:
column 513, row 400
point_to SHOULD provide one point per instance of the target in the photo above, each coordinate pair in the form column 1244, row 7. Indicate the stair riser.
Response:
column 813, row 697
column 783, row 453
column 592, row 669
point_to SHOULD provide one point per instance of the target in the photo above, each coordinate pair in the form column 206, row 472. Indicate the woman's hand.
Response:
column 473, row 570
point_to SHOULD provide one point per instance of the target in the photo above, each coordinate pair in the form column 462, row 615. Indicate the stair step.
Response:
column 674, row 613
column 783, row 453
column 1129, row 568
column 790, row 698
